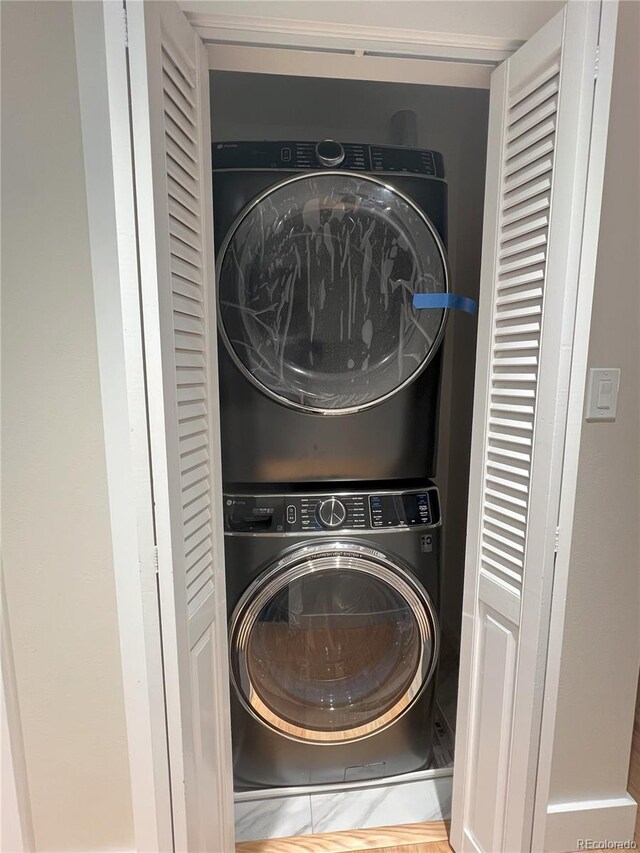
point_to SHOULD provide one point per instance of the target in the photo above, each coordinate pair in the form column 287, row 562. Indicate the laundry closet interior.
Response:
column 343, row 662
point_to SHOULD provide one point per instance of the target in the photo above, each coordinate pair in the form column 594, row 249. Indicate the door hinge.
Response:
column 155, row 558
column 125, row 25
column 557, row 541
column 597, row 63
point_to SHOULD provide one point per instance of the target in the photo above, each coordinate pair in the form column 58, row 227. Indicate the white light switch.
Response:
column 602, row 393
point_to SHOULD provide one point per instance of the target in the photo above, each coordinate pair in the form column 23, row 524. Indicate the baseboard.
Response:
column 590, row 822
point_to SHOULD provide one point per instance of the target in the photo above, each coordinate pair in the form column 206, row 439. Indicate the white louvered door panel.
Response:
column 540, row 113
column 172, row 154
column 517, row 322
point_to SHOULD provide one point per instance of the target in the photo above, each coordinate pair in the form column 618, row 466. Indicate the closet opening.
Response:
column 337, row 628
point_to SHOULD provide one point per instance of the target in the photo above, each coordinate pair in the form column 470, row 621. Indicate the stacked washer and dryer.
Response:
column 329, row 386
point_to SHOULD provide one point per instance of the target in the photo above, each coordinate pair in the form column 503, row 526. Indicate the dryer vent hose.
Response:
column 404, row 128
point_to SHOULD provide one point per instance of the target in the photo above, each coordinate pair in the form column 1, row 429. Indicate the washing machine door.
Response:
column 315, row 284
column 333, row 643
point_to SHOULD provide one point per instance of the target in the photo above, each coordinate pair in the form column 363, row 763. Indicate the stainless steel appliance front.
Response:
column 334, row 638
column 327, row 372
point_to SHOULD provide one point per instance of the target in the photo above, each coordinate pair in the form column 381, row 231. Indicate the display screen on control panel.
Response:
column 402, row 160
column 400, row 510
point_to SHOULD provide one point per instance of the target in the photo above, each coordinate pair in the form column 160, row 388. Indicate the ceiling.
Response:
column 505, row 19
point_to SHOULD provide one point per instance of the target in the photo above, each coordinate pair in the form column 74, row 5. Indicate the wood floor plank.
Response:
column 428, row 837
column 429, row 847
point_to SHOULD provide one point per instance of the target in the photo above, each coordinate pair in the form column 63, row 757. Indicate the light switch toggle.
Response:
column 605, row 393
column 602, row 393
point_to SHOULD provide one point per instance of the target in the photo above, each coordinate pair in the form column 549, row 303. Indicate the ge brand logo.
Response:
column 426, row 543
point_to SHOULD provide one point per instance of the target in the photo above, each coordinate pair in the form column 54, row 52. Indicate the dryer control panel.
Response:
column 318, row 512
column 327, row 154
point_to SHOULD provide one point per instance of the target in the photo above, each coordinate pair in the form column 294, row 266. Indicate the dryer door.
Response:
column 333, row 644
column 316, row 282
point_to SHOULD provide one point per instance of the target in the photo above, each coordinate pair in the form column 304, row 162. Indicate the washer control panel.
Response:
column 352, row 511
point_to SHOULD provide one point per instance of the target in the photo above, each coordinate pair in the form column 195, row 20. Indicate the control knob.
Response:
column 331, row 513
column 329, row 153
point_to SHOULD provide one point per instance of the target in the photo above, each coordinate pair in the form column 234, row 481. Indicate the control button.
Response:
column 291, row 514
column 331, row 513
column 329, row 153
column 285, row 154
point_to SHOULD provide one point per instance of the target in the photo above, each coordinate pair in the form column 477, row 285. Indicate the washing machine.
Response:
column 333, row 634
column 327, row 372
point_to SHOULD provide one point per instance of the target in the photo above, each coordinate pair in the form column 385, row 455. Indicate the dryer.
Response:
column 333, row 634
column 327, row 372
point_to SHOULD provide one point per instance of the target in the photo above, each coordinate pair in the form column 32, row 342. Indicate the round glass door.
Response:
column 334, row 645
column 316, row 282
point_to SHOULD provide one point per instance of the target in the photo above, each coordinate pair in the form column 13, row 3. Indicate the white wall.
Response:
column 450, row 120
column 57, row 550
column 601, row 645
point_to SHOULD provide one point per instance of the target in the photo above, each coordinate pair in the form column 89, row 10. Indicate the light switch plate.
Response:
column 602, row 393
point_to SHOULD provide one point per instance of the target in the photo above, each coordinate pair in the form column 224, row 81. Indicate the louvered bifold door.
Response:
column 540, row 113
column 172, row 159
